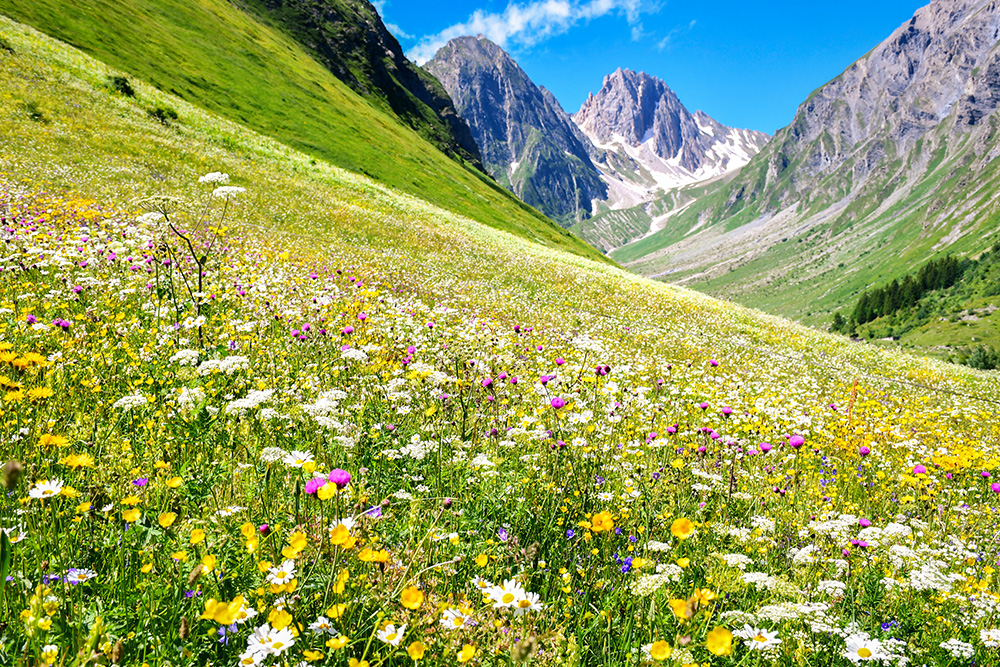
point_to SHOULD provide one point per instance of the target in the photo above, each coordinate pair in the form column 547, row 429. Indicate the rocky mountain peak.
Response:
column 528, row 143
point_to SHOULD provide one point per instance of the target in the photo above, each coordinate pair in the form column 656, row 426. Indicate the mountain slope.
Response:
column 527, row 141
column 884, row 167
column 220, row 58
column 349, row 38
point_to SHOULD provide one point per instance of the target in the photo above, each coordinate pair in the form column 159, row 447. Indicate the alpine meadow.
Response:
column 262, row 404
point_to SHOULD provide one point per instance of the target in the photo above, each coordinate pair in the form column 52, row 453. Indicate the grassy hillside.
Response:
column 304, row 417
column 219, row 58
column 952, row 322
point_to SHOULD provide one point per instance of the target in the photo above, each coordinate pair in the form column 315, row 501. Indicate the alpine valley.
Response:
column 290, row 375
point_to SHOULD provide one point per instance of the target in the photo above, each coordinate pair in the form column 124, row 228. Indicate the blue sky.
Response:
column 746, row 64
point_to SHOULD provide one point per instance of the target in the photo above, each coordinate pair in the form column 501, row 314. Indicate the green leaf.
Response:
column 5, row 557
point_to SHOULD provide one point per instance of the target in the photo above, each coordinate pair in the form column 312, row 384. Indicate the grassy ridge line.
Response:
column 344, row 214
column 219, row 58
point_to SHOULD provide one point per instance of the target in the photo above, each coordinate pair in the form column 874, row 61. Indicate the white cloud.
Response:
column 666, row 41
column 528, row 24
column 396, row 31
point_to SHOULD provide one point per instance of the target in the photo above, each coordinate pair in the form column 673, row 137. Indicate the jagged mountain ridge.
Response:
column 527, row 141
column 628, row 144
column 882, row 168
column 637, row 115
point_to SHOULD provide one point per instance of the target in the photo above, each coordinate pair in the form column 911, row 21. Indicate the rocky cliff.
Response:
column 527, row 141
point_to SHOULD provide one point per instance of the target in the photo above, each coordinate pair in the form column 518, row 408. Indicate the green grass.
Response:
column 217, row 57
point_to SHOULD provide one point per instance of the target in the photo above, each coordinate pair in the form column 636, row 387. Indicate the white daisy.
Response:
column 862, row 648
column 282, row 574
column 47, row 488
column 390, row 634
column 528, row 602
column 322, row 624
column 758, row 638
column 454, row 618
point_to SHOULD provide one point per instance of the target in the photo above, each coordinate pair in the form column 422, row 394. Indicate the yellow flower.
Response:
column 326, row 491
column 337, row 642
column 174, row 482
column 279, row 619
column 197, row 536
column 336, row 611
column 341, row 537
column 682, row 528
column 49, row 654
column 208, row 563
column 354, row 662
column 131, row 500
column 83, row 508
column 75, row 461
column 682, row 609
column 131, row 515
column 39, row 393
column 601, row 522
column 49, row 440
column 161, row 465
column 147, row 568
column 180, row 556
column 660, row 651
column 45, row 623
column 705, row 595
column 221, row 612
column 296, row 543
column 467, row 653
column 411, row 597
column 482, row 560
column 416, row 650
column 719, row 641
column 167, row 519
column 683, row 562
column 370, row 556
column 312, row 656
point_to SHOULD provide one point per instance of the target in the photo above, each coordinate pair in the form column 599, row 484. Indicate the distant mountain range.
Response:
column 891, row 163
column 629, row 143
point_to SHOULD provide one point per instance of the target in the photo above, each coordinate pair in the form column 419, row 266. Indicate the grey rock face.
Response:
column 528, row 143
column 939, row 71
column 634, row 108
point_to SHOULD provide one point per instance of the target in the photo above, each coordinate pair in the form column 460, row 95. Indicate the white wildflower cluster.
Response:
column 990, row 638
column 831, row 587
column 647, row 584
column 958, row 649
column 740, row 561
column 354, row 354
column 215, row 177
column 227, row 191
column 185, row 358
column 508, row 595
column 932, row 576
column 227, row 365
column 130, row 402
column 809, row 612
column 272, row 454
column 189, row 398
column 252, row 401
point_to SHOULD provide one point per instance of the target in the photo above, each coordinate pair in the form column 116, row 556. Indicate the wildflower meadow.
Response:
column 256, row 411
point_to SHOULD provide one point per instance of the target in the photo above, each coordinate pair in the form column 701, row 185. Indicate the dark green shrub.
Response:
column 34, row 113
column 165, row 115
column 122, row 85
